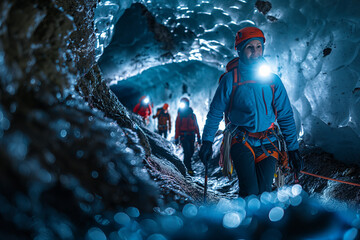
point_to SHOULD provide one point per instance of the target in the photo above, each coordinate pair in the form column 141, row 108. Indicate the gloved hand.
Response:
column 205, row 151
column 199, row 140
column 296, row 162
column 177, row 141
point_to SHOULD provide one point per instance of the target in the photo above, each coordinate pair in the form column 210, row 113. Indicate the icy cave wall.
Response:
column 312, row 45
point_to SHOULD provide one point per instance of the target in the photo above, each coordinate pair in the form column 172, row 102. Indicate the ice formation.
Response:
column 312, row 45
column 107, row 13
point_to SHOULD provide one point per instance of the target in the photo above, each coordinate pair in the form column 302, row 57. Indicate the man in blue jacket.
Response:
column 254, row 105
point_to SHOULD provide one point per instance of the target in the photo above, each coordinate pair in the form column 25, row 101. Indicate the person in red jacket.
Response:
column 143, row 108
column 164, row 120
column 186, row 127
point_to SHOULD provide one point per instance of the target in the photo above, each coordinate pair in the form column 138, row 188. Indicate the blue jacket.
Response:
column 252, row 106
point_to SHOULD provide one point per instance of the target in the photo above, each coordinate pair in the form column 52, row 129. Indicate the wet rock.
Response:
column 57, row 150
column 326, row 51
column 82, row 41
column 95, row 91
column 73, row 148
column 34, row 47
column 356, row 90
column 263, row 6
column 323, row 164
column 164, row 149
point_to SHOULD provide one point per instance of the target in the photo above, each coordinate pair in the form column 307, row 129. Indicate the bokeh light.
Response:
column 122, row 218
column 296, row 189
column 254, row 204
column 351, row 234
column 276, row 214
column 133, row 212
column 190, row 210
column 95, row 234
column 156, row 236
column 231, row 220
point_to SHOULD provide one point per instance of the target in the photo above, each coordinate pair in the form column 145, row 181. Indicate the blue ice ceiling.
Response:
column 167, row 49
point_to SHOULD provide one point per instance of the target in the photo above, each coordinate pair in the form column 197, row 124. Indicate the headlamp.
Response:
column 182, row 105
column 146, row 100
column 264, row 70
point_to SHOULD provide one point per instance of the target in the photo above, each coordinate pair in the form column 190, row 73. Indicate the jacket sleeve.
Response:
column 218, row 107
column 157, row 114
column 177, row 127
column 285, row 115
column 136, row 108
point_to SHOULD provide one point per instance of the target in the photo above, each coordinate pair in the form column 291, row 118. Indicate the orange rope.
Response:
column 275, row 147
column 332, row 179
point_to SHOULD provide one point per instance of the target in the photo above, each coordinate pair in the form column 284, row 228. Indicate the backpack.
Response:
column 187, row 122
column 163, row 117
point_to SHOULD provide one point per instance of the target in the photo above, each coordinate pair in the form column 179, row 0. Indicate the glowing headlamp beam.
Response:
column 146, row 100
column 264, row 70
column 182, row 105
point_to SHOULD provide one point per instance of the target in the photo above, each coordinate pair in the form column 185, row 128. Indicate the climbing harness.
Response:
column 280, row 154
column 234, row 134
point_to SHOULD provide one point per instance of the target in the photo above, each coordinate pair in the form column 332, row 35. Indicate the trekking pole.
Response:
column 206, row 178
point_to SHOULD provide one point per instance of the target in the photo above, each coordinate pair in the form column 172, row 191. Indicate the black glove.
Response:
column 205, row 151
column 176, row 141
column 296, row 162
column 199, row 140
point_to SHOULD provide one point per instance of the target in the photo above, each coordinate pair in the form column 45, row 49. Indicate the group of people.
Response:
column 258, row 117
column 186, row 126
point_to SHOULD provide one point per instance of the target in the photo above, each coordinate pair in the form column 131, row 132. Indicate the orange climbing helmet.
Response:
column 246, row 33
column 166, row 106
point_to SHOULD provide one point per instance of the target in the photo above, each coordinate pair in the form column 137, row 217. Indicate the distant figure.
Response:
column 255, row 102
column 164, row 121
column 143, row 109
column 186, row 127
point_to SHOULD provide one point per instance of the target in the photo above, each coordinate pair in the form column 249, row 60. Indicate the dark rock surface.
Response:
column 323, row 164
column 62, row 161
column 263, row 6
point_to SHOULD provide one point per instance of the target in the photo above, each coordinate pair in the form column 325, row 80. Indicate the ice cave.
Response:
column 77, row 163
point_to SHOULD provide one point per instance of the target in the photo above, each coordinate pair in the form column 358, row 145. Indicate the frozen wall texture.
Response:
column 312, row 45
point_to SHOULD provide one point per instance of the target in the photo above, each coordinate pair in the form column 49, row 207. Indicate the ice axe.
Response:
column 206, row 177
column 205, row 154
